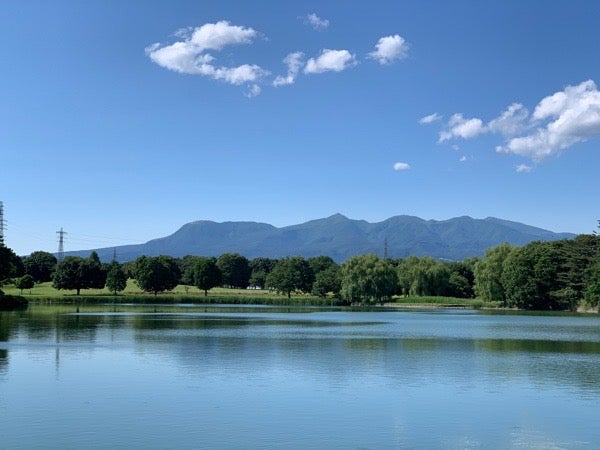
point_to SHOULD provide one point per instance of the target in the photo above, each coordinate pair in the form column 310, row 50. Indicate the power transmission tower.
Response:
column 2, row 227
column 385, row 249
column 61, row 244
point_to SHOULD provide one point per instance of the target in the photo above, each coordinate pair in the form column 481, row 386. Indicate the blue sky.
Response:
column 123, row 120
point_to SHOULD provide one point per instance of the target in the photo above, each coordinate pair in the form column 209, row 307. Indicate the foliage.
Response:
column 291, row 274
column 368, row 279
column 78, row 273
column 261, row 268
column 25, row 282
column 10, row 264
column 156, row 274
column 489, row 273
column 592, row 294
column 40, row 265
column 320, row 263
column 187, row 266
column 96, row 272
column 531, row 278
column 116, row 278
column 326, row 281
column 207, row 274
column 423, row 276
column 235, row 270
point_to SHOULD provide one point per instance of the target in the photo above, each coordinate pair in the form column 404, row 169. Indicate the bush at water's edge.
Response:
column 10, row 302
column 178, row 299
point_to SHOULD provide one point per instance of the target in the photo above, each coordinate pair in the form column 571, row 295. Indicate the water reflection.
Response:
column 270, row 378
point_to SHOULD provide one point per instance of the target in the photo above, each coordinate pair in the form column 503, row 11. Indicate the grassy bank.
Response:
column 44, row 293
column 446, row 302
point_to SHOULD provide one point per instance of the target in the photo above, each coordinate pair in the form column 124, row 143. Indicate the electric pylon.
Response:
column 1, row 223
column 61, row 244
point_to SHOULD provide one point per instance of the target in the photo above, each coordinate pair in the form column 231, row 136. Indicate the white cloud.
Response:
column 189, row 55
column 330, row 61
column 294, row 62
column 401, row 166
column 463, row 158
column 429, row 119
column 316, row 22
column 389, row 49
column 510, row 122
column 253, row 91
column 560, row 120
column 459, row 127
column 523, row 168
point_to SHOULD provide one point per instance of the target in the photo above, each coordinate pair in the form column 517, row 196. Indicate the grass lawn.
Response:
column 46, row 290
column 45, row 293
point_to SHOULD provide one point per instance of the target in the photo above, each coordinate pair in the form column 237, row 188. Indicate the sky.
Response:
column 120, row 121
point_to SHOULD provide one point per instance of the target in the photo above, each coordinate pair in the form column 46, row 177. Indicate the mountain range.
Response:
column 339, row 237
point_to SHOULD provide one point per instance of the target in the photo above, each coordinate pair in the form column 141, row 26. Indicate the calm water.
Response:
column 268, row 378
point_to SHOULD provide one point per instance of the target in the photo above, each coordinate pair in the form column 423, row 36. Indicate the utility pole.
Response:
column 2, row 226
column 61, row 244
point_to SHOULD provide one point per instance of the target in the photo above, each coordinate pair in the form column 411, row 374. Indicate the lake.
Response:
column 261, row 377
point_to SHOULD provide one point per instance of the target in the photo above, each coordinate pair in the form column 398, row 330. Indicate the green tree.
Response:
column 207, row 274
column 531, row 278
column 261, row 268
column 367, row 279
column 24, row 282
column 40, row 265
column 460, row 281
column 327, row 280
column 320, row 263
column 156, row 274
column 72, row 273
column 592, row 294
column 489, row 274
column 291, row 274
column 187, row 267
column 95, row 272
column 9, row 263
column 116, row 278
column 423, row 276
column 579, row 256
column 235, row 270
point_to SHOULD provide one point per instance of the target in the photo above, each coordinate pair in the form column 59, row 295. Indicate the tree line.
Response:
column 555, row 275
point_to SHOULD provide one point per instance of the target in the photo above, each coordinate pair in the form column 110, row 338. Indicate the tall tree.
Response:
column 40, row 265
column 8, row 263
column 73, row 272
column 235, row 269
column 531, row 278
column 207, row 274
column 488, row 273
column 291, row 274
column 116, row 278
column 368, row 279
column 95, row 272
column 260, row 267
column 326, row 281
column 157, row 274
column 187, row 266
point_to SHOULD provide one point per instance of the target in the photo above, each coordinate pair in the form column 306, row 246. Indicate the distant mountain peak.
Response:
column 339, row 237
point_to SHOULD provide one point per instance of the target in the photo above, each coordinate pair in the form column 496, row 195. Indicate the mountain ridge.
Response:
column 337, row 236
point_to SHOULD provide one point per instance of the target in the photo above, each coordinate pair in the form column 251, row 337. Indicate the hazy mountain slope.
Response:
column 338, row 237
